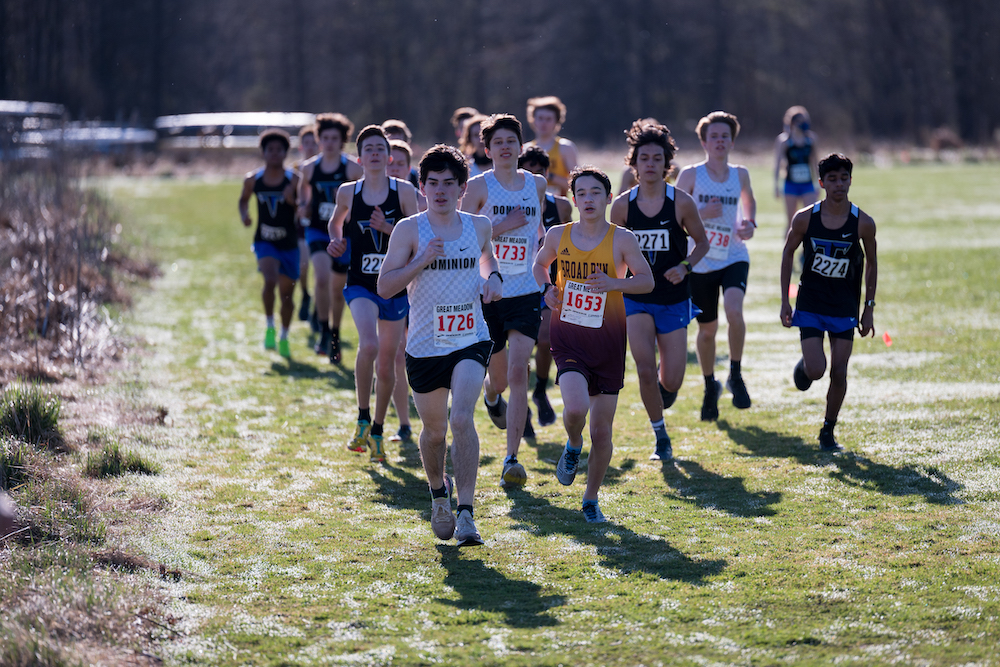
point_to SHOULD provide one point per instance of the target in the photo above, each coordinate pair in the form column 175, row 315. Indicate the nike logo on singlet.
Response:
column 664, row 222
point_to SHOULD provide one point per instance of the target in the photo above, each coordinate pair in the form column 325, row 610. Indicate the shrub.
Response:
column 30, row 413
column 112, row 461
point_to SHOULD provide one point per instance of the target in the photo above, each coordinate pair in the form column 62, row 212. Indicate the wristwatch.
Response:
column 870, row 303
column 686, row 264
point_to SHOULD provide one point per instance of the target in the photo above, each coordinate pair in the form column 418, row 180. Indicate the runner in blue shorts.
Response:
column 321, row 180
column 838, row 241
column 366, row 213
column 795, row 149
column 662, row 218
column 275, row 243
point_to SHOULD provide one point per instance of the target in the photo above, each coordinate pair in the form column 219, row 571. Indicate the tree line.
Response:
column 867, row 69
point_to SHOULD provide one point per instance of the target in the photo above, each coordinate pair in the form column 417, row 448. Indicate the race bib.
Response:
column 719, row 235
column 371, row 263
column 799, row 173
column 454, row 325
column 582, row 307
column 326, row 210
column 830, row 267
column 512, row 254
column 652, row 240
column 269, row 233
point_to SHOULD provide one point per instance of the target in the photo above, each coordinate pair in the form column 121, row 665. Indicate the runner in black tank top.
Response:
column 662, row 218
column 838, row 239
column 276, row 242
column 368, row 245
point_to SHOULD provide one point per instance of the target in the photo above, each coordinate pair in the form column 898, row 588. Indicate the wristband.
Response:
column 687, row 264
column 495, row 273
column 545, row 288
column 870, row 303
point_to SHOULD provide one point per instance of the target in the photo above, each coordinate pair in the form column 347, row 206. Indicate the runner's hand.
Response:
column 786, row 315
column 553, row 299
column 434, row 249
column 378, row 221
column 745, row 230
column 336, row 247
column 711, row 210
column 867, row 323
column 600, row 283
column 675, row 274
column 492, row 289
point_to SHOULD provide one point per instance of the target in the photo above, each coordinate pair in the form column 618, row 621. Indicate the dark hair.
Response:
column 274, row 134
column 394, row 126
column 835, row 162
column 307, row 130
column 371, row 131
column 442, row 157
column 589, row 170
column 643, row 133
column 536, row 155
column 461, row 113
column 499, row 121
column 466, row 142
column 403, row 146
column 334, row 121
column 550, row 102
column 718, row 117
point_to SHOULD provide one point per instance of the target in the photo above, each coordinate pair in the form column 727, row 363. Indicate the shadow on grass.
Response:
column 483, row 588
column 853, row 469
column 618, row 547
column 709, row 490
column 338, row 376
column 399, row 488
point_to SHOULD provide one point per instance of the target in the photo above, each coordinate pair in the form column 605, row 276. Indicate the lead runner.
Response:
column 441, row 256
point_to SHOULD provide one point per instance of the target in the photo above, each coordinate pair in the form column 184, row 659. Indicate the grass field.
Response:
column 752, row 548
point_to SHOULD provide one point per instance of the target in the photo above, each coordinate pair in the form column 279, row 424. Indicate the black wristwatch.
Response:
column 497, row 273
column 870, row 303
column 687, row 264
column 545, row 288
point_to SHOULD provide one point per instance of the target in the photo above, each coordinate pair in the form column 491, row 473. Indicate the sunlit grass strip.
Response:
column 112, row 461
column 30, row 413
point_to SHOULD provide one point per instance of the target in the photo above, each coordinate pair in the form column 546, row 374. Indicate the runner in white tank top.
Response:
column 727, row 207
column 512, row 199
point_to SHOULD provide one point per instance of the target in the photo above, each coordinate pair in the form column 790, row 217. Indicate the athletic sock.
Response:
column 734, row 367
column 440, row 493
column 376, row 429
column 465, row 507
column 710, row 381
column 284, row 333
column 335, row 331
column 541, row 384
column 509, row 459
column 270, row 322
column 495, row 400
column 828, row 424
column 364, row 414
column 589, row 502
column 573, row 449
column 324, row 328
column 659, row 428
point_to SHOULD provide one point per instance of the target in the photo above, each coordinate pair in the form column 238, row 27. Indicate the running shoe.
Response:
column 269, row 338
column 828, row 443
column 802, row 381
column 566, row 468
column 592, row 513
column 668, row 397
column 546, row 415
column 359, row 443
column 442, row 518
column 664, row 450
column 323, row 344
column 710, row 404
column 404, row 434
column 376, row 454
column 465, row 530
column 529, row 430
column 741, row 399
column 498, row 412
column 334, row 347
column 284, row 349
column 304, row 308
column 513, row 475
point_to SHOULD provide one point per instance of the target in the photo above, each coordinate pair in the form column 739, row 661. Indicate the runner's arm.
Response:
column 400, row 265
column 543, row 259
column 796, row 232
column 866, row 230
column 305, row 191
column 641, row 280
column 619, row 210
column 245, row 195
